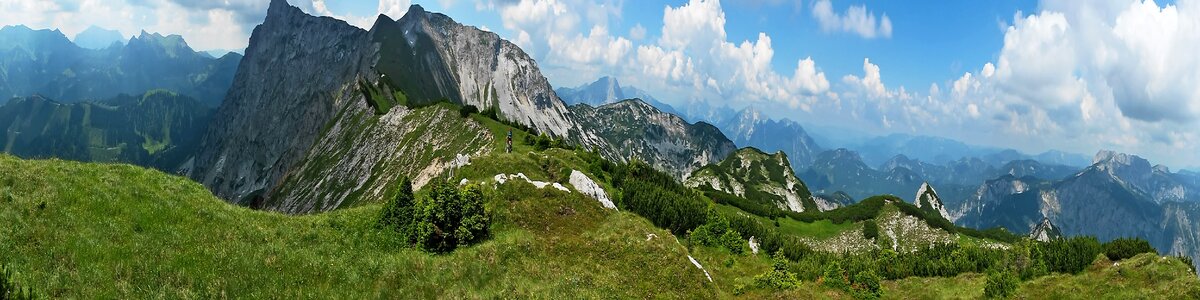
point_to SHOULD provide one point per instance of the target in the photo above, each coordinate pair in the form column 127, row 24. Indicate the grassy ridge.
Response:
column 117, row 231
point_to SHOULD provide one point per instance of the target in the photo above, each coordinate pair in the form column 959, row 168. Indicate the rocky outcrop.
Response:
column 760, row 177
column 586, row 186
column 633, row 129
column 299, row 70
column 430, row 57
column 1044, row 231
column 928, row 200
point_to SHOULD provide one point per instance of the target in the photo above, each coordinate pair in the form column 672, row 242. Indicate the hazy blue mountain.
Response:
column 158, row 129
column 750, row 128
column 634, row 92
column 843, row 170
column 937, row 150
column 98, row 38
column 1119, row 195
column 45, row 62
column 608, row 90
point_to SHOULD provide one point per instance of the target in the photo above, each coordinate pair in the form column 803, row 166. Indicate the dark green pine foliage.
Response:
column 1123, row 248
column 397, row 214
column 441, row 221
column 659, row 198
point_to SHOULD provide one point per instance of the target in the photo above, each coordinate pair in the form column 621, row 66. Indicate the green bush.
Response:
column 1069, row 255
column 446, row 218
column 870, row 229
column 450, row 217
column 467, row 110
column 778, row 277
column 866, row 285
column 1000, row 284
column 834, row 276
column 716, row 233
column 397, row 213
column 1123, row 248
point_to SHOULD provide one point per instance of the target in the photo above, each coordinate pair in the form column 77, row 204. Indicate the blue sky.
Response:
column 1033, row 75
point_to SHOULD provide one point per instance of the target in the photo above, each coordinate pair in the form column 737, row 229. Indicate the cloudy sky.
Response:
column 1071, row 75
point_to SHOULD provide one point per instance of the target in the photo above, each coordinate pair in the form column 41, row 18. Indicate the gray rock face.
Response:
column 1136, row 173
column 473, row 67
column 635, row 129
column 294, row 76
column 1044, row 231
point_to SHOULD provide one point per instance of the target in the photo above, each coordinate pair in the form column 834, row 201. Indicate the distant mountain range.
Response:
column 607, row 90
column 1119, row 195
column 46, row 63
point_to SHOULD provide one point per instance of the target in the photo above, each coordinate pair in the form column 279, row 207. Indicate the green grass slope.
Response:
column 77, row 230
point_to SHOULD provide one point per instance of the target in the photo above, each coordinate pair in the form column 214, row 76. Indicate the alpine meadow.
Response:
column 599, row 149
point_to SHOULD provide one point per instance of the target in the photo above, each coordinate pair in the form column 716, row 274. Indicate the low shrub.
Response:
column 1000, row 284
column 1123, row 248
column 467, row 110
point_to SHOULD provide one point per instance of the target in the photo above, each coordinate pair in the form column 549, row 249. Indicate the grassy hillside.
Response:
column 116, row 231
column 83, row 230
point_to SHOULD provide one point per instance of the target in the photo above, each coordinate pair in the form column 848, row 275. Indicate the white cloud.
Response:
column 394, row 8
column 695, row 24
column 638, row 32
column 871, row 82
column 855, row 20
column 598, row 47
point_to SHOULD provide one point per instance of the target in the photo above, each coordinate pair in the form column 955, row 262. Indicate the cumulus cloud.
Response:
column 855, row 20
column 637, row 32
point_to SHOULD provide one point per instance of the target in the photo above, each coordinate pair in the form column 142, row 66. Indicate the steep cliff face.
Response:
column 297, row 72
column 635, row 129
column 429, row 57
column 762, row 177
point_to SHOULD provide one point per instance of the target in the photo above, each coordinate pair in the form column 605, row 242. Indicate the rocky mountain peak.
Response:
column 928, row 200
column 600, row 92
column 1110, row 158
column 1044, row 231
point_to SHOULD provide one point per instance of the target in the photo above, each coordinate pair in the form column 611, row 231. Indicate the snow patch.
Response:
column 585, row 185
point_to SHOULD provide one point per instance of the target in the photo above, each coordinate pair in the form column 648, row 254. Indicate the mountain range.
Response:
column 158, row 129
column 46, row 63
